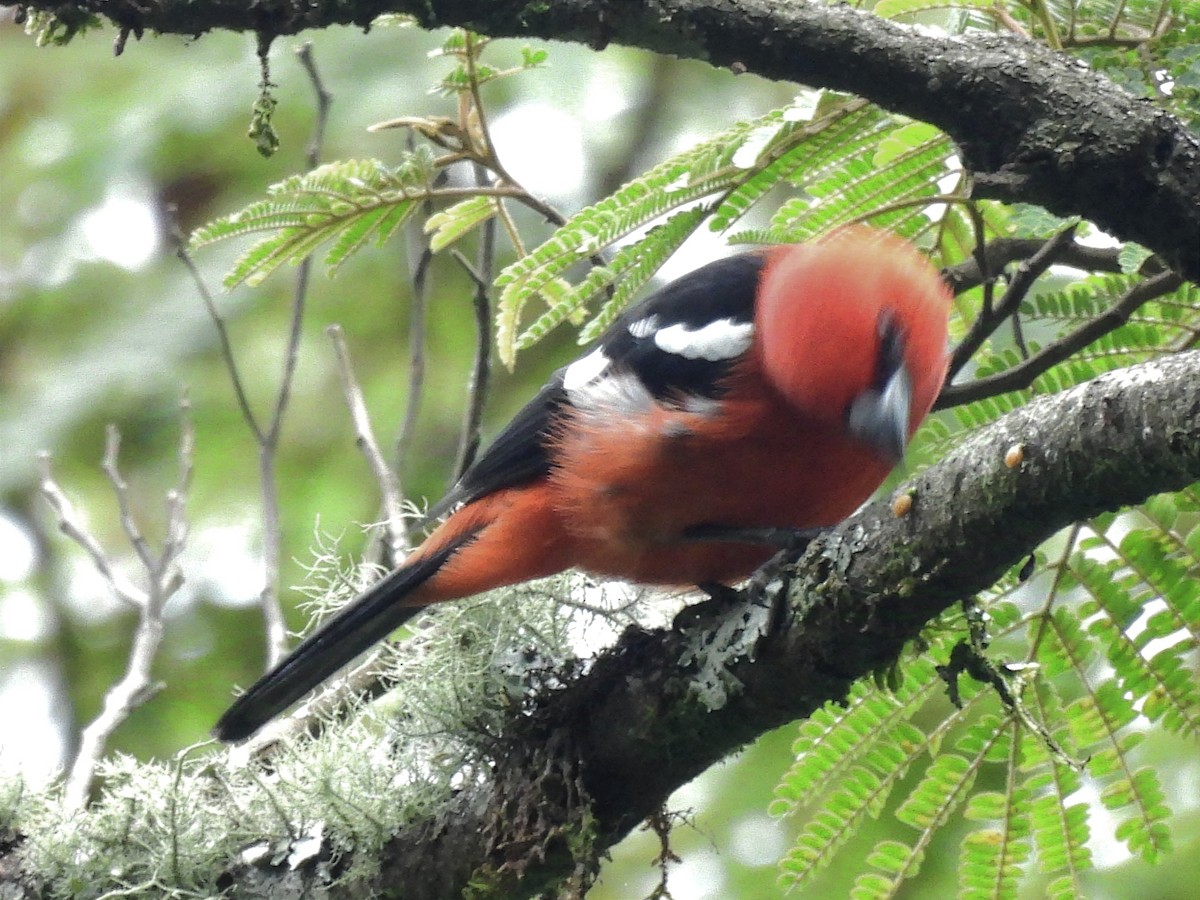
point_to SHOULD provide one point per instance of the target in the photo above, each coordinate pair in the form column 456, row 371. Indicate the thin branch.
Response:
column 112, row 448
column 163, row 579
column 1004, row 251
column 70, row 523
column 989, row 320
column 477, row 385
column 385, row 478
column 275, row 626
column 218, row 320
column 324, row 100
column 469, row 268
column 420, row 258
column 1023, row 375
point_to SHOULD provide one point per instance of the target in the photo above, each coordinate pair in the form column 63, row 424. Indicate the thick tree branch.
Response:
column 610, row 747
column 1032, row 125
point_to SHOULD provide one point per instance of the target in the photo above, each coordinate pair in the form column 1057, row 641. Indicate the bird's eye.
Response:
column 890, row 355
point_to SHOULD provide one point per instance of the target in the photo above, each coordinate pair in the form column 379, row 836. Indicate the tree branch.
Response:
column 1032, row 125
column 163, row 578
column 1023, row 375
column 991, row 317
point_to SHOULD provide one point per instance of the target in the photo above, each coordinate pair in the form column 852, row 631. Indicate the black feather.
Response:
column 724, row 289
column 366, row 620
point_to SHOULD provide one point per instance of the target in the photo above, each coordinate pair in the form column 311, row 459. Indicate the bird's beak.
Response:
column 880, row 418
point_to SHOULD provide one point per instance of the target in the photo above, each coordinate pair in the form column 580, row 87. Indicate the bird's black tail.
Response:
column 367, row 619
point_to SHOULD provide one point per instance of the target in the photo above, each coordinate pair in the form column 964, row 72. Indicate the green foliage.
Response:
column 470, row 72
column 1110, row 623
column 356, row 202
column 628, row 270
column 882, row 181
column 724, row 175
column 447, row 226
column 844, row 160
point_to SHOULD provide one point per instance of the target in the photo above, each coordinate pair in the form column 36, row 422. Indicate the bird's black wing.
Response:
column 518, row 454
column 719, row 293
column 679, row 341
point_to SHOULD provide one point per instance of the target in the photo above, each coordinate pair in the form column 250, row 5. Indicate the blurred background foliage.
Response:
column 100, row 323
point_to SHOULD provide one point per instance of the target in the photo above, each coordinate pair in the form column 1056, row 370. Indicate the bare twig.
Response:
column 218, row 321
column 389, row 485
column 987, row 273
column 70, row 523
column 989, row 319
column 1023, row 375
column 324, row 100
column 420, row 257
column 1003, row 251
column 163, row 579
column 276, row 627
column 478, row 383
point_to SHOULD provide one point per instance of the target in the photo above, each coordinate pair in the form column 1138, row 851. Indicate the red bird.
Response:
column 771, row 390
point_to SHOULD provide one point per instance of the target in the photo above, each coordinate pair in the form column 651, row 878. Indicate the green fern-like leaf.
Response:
column 874, row 182
column 461, row 44
column 946, row 785
column 351, row 202
column 1146, row 833
column 825, row 142
column 851, row 760
column 992, row 858
column 630, row 268
column 832, row 739
column 732, row 170
column 638, row 263
column 447, row 226
column 1163, row 676
column 1060, row 828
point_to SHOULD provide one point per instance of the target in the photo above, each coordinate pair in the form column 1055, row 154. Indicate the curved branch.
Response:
column 1001, row 252
column 1024, row 374
column 989, row 319
column 1032, row 125
column 601, row 754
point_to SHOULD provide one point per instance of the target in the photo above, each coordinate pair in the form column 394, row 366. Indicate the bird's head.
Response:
column 853, row 333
